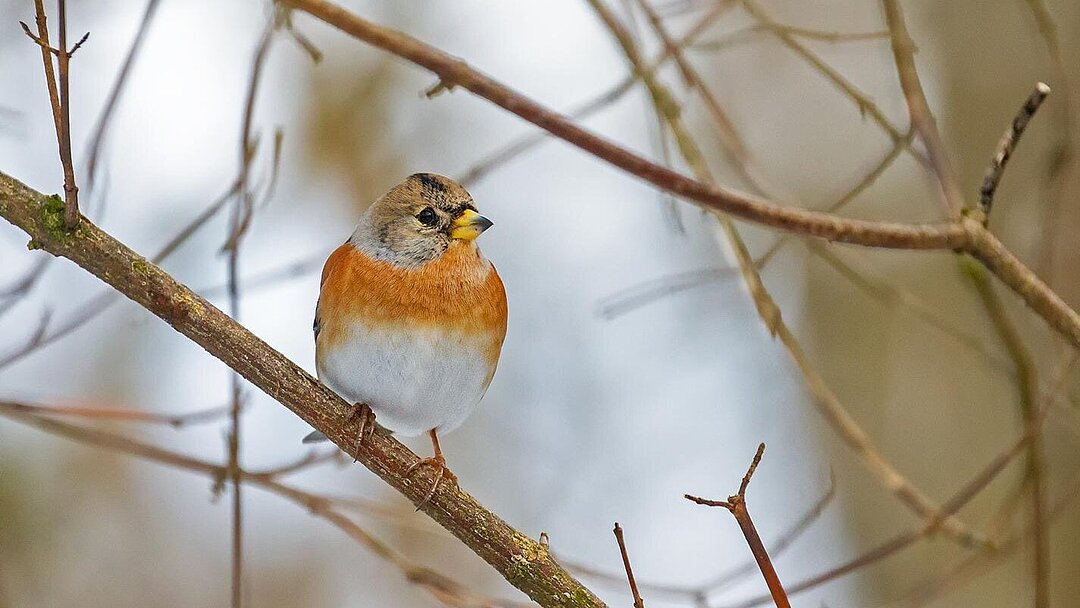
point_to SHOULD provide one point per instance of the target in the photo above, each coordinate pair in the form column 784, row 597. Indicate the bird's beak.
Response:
column 469, row 225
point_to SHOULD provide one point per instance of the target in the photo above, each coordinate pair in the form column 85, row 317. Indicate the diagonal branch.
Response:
column 455, row 72
column 1007, row 144
column 522, row 561
column 960, row 235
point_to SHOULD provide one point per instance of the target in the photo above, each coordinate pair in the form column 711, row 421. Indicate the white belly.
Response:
column 414, row 381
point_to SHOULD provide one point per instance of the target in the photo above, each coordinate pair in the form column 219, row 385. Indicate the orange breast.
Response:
column 458, row 291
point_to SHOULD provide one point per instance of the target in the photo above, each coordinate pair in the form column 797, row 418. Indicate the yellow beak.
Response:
column 469, row 226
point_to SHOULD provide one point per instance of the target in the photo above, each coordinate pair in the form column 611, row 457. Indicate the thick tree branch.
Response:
column 521, row 560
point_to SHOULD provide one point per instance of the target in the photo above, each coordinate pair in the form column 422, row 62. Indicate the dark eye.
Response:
column 427, row 217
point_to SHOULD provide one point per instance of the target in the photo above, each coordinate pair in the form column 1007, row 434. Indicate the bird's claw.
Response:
column 438, row 463
column 362, row 412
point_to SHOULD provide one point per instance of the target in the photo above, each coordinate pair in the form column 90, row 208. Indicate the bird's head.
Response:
column 418, row 220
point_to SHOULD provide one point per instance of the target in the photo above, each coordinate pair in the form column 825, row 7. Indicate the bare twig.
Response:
column 1062, row 161
column 97, row 136
column 632, row 298
column 862, row 101
column 59, row 97
column 922, row 120
column 12, row 293
column 638, row 602
column 438, row 585
column 1006, row 145
column 63, row 59
column 527, row 142
column 239, row 222
column 125, row 414
column 736, row 504
column 700, row 591
column 729, row 136
column 98, row 304
column 903, row 540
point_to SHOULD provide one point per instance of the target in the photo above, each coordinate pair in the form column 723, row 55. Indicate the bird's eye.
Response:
column 427, row 217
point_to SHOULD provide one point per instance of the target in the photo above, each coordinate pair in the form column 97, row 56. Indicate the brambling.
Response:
column 411, row 316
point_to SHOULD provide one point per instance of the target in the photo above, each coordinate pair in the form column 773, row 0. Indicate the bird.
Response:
column 411, row 317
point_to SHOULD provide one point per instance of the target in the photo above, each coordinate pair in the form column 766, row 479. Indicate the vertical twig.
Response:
column 239, row 222
column 638, row 602
column 63, row 59
column 919, row 110
column 59, row 98
column 736, row 504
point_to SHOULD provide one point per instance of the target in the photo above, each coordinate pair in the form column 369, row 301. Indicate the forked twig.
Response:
column 736, row 504
column 57, row 82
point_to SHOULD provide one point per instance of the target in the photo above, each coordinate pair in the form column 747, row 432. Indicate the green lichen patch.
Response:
column 52, row 220
column 52, row 216
column 140, row 266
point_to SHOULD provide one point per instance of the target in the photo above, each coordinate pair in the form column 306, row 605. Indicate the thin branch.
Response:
column 97, row 136
column 634, row 297
column 239, row 223
column 18, row 289
column 101, row 302
column 862, row 101
column 1007, row 144
column 1062, row 160
column 63, row 60
column 125, row 414
column 717, row 582
column 311, row 458
column 923, row 592
column 882, row 290
column 452, row 70
column 737, row 506
column 438, row 585
column 730, row 139
column 525, row 143
column 766, row 307
column 516, row 556
column 903, row 540
column 919, row 110
column 638, row 602
column 59, row 99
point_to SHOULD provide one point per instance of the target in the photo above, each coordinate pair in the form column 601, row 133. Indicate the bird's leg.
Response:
column 367, row 423
column 436, row 462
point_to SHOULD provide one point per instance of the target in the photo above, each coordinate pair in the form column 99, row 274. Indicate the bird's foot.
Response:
column 362, row 412
column 438, row 463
